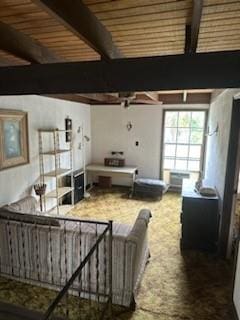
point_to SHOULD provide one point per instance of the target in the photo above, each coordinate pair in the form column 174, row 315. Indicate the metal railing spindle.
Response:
column 66, row 265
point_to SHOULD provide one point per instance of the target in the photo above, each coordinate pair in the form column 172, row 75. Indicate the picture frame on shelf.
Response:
column 14, row 147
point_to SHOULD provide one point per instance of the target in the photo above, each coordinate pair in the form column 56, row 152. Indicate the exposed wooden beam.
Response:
column 185, row 93
column 76, row 16
column 70, row 97
column 189, row 91
column 198, row 71
column 24, row 47
column 99, row 97
column 4, row 62
column 152, row 96
column 142, row 98
column 192, row 98
column 195, row 24
column 187, row 39
column 145, row 102
column 168, row 98
column 91, row 98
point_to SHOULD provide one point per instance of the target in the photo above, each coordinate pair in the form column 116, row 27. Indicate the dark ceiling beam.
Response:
column 192, row 31
column 4, row 62
column 76, row 16
column 187, row 48
column 195, row 25
column 175, row 72
column 24, row 47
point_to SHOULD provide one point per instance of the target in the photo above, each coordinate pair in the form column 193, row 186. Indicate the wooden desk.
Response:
column 101, row 169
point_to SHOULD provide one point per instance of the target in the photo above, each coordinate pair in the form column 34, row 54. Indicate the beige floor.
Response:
column 185, row 286
column 189, row 286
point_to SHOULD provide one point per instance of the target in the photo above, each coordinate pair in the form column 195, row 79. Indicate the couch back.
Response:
column 48, row 250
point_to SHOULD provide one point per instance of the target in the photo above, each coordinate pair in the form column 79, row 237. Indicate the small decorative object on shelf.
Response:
column 40, row 190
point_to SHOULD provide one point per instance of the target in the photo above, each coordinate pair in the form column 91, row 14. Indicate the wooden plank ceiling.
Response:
column 138, row 28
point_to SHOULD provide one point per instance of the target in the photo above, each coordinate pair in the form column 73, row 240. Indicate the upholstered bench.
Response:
column 149, row 187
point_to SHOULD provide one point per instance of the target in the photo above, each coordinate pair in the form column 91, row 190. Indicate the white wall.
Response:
column 217, row 145
column 43, row 112
column 109, row 133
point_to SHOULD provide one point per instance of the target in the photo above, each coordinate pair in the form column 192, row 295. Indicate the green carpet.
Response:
column 189, row 286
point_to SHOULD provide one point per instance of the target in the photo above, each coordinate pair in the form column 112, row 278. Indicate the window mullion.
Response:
column 189, row 139
column 176, row 142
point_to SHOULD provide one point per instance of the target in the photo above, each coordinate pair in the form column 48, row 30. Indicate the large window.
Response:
column 183, row 140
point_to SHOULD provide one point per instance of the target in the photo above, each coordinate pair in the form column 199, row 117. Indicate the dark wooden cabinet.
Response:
column 78, row 182
column 199, row 219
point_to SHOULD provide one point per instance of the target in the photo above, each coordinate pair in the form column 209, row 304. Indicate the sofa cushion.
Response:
column 7, row 214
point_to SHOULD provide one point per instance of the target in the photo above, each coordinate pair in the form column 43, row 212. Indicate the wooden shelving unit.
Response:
column 56, row 170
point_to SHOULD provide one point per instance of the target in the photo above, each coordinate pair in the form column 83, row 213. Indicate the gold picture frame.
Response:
column 14, row 148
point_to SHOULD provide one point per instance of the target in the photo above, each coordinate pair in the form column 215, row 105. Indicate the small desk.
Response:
column 100, row 169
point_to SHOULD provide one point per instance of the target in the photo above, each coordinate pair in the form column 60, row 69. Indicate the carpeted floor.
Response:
column 189, row 286
column 185, row 286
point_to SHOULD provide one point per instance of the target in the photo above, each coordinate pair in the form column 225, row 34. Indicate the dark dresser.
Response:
column 199, row 219
column 78, row 182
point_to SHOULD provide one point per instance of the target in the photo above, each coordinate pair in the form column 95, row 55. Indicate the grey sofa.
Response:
column 27, row 254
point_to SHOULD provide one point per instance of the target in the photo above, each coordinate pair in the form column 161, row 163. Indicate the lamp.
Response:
column 129, row 125
column 215, row 131
column 87, row 139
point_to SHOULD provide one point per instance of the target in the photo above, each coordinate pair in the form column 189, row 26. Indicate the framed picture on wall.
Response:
column 14, row 150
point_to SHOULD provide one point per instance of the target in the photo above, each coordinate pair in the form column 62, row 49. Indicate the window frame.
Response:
column 202, row 156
